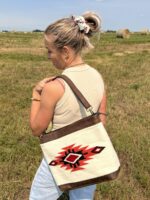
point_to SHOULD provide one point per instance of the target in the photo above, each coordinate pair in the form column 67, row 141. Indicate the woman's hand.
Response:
column 37, row 90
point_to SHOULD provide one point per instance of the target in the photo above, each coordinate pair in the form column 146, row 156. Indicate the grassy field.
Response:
column 125, row 67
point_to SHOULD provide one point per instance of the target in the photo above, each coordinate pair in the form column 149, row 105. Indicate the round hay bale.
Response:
column 144, row 31
column 123, row 33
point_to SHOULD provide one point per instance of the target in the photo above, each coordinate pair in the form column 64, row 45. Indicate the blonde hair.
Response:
column 67, row 33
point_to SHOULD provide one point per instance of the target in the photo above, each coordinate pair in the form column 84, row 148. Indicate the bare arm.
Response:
column 102, row 109
column 42, row 111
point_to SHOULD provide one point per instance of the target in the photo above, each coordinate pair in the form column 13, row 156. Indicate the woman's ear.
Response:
column 66, row 53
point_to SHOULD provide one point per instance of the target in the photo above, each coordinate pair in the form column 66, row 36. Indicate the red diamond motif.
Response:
column 72, row 158
column 97, row 149
column 53, row 163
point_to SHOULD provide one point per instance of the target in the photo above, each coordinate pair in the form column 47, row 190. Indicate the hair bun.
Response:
column 93, row 20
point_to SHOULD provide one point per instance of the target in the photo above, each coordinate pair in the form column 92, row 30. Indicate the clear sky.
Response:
column 26, row 15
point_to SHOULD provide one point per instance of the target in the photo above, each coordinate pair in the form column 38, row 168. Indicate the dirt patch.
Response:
column 39, row 51
column 118, row 54
column 129, row 52
column 134, row 48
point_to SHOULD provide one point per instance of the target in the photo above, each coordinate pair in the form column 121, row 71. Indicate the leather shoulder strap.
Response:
column 76, row 91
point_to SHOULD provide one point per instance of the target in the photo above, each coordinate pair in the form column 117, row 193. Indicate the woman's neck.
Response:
column 74, row 62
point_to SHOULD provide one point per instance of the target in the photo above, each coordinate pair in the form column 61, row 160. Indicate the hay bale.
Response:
column 145, row 31
column 123, row 33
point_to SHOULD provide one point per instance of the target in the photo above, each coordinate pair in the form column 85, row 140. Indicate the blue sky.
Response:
column 27, row 15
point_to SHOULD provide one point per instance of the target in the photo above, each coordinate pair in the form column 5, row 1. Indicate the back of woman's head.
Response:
column 74, row 31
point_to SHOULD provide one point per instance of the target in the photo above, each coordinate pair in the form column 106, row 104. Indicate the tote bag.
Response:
column 81, row 153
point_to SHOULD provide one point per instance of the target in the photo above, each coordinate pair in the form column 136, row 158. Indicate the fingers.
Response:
column 40, row 85
column 46, row 80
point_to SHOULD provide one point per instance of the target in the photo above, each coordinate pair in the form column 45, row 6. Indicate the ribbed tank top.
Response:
column 68, row 109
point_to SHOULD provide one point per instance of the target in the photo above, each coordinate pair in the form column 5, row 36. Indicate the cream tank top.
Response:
column 90, row 83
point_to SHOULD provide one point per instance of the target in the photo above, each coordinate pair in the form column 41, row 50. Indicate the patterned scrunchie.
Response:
column 80, row 21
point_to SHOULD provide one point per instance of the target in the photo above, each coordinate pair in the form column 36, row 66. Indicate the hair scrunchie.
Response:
column 80, row 21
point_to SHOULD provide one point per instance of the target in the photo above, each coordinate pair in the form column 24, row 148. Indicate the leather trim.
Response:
column 80, row 124
column 107, row 177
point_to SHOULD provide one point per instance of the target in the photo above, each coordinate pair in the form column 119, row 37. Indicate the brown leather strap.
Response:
column 76, row 91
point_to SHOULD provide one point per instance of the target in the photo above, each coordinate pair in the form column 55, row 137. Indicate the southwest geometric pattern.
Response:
column 75, row 157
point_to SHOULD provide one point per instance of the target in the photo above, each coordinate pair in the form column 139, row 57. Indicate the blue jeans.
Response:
column 45, row 188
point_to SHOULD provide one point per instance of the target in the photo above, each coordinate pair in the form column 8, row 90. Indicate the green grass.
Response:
column 23, row 62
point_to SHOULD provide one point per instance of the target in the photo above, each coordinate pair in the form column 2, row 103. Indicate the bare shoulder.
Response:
column 53, row 89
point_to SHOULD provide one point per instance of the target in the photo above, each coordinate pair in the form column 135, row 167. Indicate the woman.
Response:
column 53, row 101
